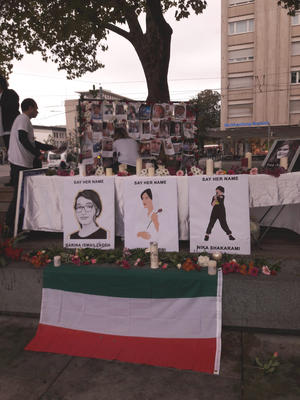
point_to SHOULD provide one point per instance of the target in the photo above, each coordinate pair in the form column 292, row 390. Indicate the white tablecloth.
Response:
column 43, row 202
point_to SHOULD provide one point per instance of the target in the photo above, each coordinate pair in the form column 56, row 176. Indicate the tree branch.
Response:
column 119, row 31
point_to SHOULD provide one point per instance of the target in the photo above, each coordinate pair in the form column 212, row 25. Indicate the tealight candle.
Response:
column 284, row 162
column 217, row 255
column 109, row 171
column 212, row 267
column 209, row 166
column 57, row 261
column 248, row 155
column 139, row 166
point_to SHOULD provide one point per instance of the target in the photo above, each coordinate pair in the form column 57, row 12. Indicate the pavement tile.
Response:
column 231, row 354
column 284, row 383
column 87, row 379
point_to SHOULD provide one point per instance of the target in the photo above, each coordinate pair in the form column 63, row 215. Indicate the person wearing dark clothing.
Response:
column 9, row 110
column 218, row 213
column 23, row 150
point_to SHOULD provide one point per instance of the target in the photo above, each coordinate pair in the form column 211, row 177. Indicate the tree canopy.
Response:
column 71, row 32
column 290, row 5
column 208, row 107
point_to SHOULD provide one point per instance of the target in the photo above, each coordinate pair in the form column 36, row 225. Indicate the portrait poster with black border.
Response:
column 89, row 212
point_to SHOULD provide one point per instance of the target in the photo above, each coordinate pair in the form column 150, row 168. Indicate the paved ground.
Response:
column 42, row 376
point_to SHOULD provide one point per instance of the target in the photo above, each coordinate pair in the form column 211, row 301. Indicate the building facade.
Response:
column 260, row 67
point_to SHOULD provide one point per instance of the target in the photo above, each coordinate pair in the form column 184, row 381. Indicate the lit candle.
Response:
column 212, row 267
column 151, row 171
column 284, row 162
column 109, row 171
column 209, row 166
column 139, row 166
column 57, row 261
column 154, row 263
column 248, row 155
column 122, row 167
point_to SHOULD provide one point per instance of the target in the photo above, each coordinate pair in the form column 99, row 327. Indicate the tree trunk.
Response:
column 153, row 49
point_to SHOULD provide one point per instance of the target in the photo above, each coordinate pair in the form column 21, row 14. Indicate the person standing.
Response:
column 218, row 213
column 9, row 110
column 23, row 150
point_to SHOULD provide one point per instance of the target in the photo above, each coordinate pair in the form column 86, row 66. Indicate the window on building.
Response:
column 238, row 2
column 295, row 106
column 240, row 82
column 244, row 26
column 241, row 55
column 240, row 110
column 295, row 19
column 295, row 48
column 295, row 77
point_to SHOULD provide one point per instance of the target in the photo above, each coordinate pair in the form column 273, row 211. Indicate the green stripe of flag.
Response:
column 132, row 283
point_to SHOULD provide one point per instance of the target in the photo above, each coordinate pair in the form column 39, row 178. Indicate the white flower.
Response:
column 144, row 172
column 203, row 261
column 178, row 266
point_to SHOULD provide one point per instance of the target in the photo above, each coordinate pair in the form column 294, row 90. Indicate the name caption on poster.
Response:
column 81, row 181
column 219, row 178
column 88, row 244
column 159, row 182
column 213, row 248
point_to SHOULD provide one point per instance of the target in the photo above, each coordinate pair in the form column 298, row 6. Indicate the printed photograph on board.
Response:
column 158, row 111
column 88, row 217
column 219, row 214
column 151, row 213
column 133, row 111
column 282, row 148
column 96, row 113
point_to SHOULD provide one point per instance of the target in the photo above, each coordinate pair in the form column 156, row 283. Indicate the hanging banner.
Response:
column 89, row 212
column 219, row 214
column 151, row 212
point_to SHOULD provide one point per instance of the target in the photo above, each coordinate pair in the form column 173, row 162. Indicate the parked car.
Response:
column 54, row 160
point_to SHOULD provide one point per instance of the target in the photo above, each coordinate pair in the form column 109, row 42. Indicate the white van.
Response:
column 53, row 159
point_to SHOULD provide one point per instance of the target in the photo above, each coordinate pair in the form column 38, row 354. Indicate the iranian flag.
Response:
column 167, row 318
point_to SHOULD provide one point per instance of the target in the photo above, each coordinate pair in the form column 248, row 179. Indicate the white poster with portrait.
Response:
column 89, row 212
column 219, row 214
column 150, row 207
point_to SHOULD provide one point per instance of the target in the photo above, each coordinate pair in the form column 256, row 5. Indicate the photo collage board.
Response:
column 160, row 126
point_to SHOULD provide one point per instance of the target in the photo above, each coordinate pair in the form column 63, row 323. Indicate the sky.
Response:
column 195, row 65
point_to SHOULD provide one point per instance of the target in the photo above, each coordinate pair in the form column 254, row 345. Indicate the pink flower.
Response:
column 93, row 260
column 75, row 260
column 72, row 173
column 266, row 270
column 137, row 262
column 164, row 266
column 253, row 171
column 180, row 173
column 275, row 355
column 230, row 172
column 235, row 266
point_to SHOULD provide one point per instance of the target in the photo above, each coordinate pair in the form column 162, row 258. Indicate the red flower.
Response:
column 235, row 267
column 253, row 271
column 273, row 272
column 230, row 172
column 125, row 264
column 227, row 268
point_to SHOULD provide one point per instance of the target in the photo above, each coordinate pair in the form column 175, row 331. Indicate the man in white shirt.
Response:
column 23, row 149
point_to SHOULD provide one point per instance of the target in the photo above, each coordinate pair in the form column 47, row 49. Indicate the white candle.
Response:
column 139, row 166
column 109, row 171
column 249, row 156
column 154, row 263
column 82, row 170
column 284, row 162
column 149, row 165
column 57, row 261
column 122, row 167
column 218, row 164
column 212, row 267
column 209, row 166
column 151, row 171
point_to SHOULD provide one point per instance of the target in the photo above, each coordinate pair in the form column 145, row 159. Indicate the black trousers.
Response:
column 221, row 216
column 6, row 141
column 11, row 213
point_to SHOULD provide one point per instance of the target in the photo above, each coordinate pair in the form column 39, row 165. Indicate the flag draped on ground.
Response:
column 165, row 318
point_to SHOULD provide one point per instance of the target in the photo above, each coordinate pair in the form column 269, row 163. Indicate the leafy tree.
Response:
column 208, row 107
column 290, row 5
column 70, row 33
